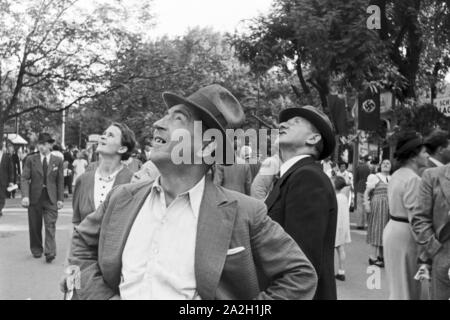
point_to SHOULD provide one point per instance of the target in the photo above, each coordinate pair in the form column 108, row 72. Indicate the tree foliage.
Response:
column 182, row 65
column 53, row 57
column 327, row 42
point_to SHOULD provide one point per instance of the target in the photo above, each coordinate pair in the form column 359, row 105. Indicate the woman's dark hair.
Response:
column 409, row 145
column 339, row 183
column 128, row 139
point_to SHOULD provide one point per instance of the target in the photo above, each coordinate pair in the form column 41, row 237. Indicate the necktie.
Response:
column 44, row 167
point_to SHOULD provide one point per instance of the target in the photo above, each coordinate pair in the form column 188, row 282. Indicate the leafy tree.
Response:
column 318, row 40
column 327, row 41
column 183, row 65
column 53, row 56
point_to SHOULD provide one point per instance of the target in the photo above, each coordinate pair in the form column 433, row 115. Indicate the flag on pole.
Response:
column 369, row 111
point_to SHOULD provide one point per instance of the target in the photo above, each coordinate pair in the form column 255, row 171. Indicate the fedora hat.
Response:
column 217, row 107
column 319, row 120
column 45, row 137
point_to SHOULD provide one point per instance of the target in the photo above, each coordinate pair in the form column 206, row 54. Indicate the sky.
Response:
column 174, row 17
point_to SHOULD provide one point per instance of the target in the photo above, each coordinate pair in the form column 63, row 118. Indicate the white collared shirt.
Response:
column 158, row 261
column 103, row 186
column 47, row 156
column 436, row 162
column 289, row 163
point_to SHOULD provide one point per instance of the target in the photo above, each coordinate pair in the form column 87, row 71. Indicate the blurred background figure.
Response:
column 268, row 175
column 6, row 175
column 400, row 248
column 146, row 150
column 56, row 151
column 376, row 206
column 67, row 179
column 342, row 226
column 362, row 171
column 16, row 168
column 327, row 164
column 251, row 158
column 237, row 177
column 79, row 167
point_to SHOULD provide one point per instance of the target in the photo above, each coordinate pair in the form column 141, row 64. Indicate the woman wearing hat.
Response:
column 115, row 145
column 400, row 248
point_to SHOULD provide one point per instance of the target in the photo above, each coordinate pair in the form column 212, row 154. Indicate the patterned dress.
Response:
column 379, row 214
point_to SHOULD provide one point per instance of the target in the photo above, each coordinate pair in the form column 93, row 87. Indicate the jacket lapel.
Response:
column 121, row 178
column 215, row 226
column 38, row 164
column 275, row 193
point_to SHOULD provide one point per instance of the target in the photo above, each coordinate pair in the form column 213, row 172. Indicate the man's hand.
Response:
column 60, row 205
column 25, row 202
column 424, row 273
column 116, row 297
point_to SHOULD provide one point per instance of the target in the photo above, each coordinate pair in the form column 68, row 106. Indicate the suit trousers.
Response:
column 440, row 273
column 2, row 200
column 47, row 211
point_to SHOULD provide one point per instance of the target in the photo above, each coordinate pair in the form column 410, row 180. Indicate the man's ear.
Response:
column 313, row 139
column 122, row 150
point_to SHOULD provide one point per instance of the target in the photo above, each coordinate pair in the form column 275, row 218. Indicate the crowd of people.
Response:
column 147, row 228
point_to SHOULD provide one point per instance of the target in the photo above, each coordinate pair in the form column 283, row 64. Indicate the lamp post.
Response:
column 63, row 130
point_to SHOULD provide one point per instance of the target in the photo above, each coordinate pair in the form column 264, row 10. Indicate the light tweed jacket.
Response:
column 431, row 219
column 272, row 266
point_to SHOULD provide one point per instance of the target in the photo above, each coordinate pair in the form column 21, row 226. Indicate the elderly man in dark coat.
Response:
column 303, row 200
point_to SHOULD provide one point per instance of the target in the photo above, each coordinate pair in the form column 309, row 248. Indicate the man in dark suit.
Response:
column 303, row 200
column 6, row 175
column 43, row 195
column 182, row 237
column 16, row 167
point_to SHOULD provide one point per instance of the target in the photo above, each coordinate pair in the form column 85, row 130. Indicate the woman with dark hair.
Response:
column 400, row 248
column 116, row 144
column 376, row 205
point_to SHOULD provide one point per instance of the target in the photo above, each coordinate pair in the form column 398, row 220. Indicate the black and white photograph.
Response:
column 225, row 150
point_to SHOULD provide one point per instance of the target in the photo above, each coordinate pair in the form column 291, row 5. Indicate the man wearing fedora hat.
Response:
column 181, row 236
column 43, row 194
column 303, row 200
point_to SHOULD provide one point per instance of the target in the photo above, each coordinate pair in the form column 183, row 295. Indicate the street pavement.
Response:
column 23, row 277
